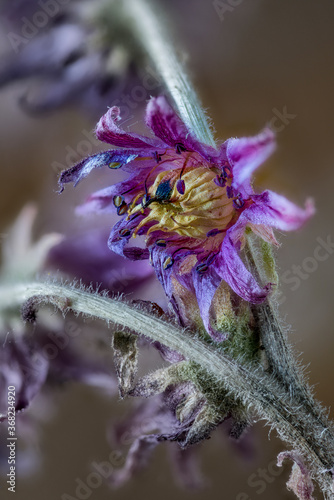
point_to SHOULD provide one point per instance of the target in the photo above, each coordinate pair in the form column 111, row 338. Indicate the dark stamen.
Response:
column 164, row 191
column 157, row 156
column 226, row 171
column 220, row 181
column 230, row 192
column 238, row 202
column 168, row 262
column 161, row 243
column 146, row 200
column 124, row 232
column 211, row 258
column 115, row 165
column 202, row 268
column 179, row 148
column 122, row 209
column 118, row 200
column 181, row 186
column 214, row 232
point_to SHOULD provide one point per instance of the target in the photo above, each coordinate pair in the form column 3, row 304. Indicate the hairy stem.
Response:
column 150, row 32
column 310, row 433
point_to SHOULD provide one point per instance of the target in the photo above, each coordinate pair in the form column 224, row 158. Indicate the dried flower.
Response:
column 192, row 202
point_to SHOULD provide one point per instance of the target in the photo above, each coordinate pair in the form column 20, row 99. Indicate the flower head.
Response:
column 192, row 202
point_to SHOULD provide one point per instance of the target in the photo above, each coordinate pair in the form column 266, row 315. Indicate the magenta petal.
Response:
column 245, row 155
column 108, row 131
column 274, row 210
column 168, row 126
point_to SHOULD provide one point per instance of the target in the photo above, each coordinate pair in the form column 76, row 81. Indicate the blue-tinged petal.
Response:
column 245, row 155
column 112, row 158
column 108, row 131
column 120, row 236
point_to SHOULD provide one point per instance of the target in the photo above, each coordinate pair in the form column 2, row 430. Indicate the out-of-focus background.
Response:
column 252, row 62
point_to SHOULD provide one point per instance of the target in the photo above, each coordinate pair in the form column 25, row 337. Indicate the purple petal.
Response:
column 108, row 131
column 231, row 269
column 245, row 155
column 168, row 126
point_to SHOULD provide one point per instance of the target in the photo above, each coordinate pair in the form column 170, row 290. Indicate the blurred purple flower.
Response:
column 70, row 56
column 86, row 256
column 193, row 203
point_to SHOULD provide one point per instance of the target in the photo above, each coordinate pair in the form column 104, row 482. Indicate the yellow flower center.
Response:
column 201, row 206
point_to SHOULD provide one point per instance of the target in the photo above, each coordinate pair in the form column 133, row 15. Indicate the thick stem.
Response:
column 309, row 432
column 150, row 32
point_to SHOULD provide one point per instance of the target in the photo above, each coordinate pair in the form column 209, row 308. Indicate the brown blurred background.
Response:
column 262, row 57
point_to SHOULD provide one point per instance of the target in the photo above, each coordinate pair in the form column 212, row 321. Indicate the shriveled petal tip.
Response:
column 246, row 154
column 205, row 288
column 300, row 481
column 274, row 210
column 107, row 131
column 169, row 127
